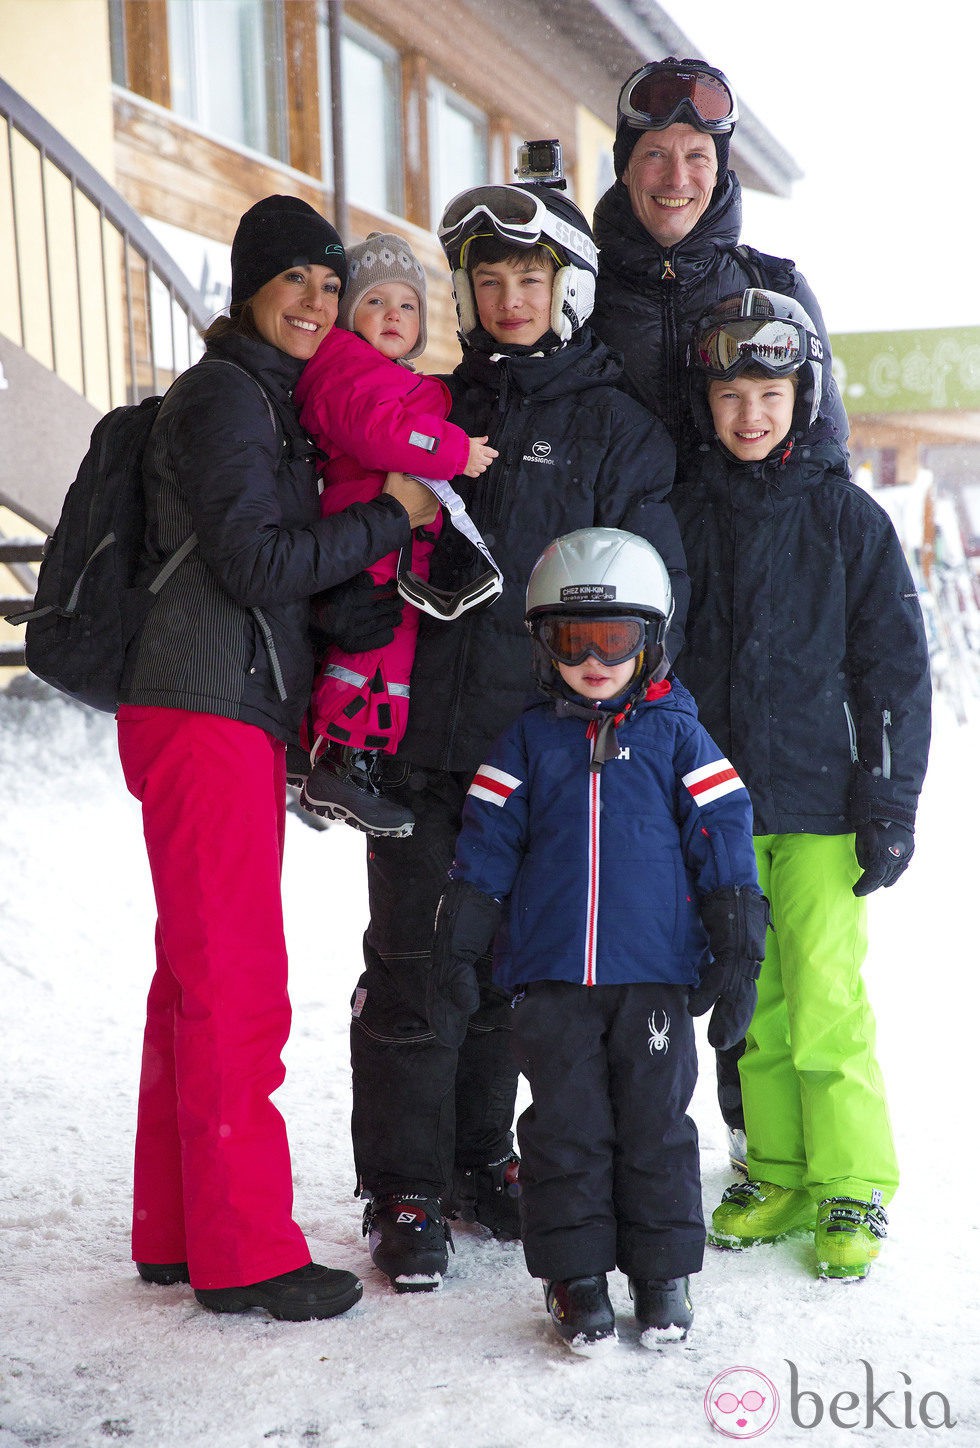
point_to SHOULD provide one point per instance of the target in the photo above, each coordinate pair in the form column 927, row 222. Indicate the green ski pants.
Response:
column 815, row 1110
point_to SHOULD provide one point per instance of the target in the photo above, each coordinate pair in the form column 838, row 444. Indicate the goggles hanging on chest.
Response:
column 485, row 587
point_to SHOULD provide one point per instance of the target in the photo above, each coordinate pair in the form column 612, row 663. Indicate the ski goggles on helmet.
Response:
column 662, row 93
column 723, row 349
column 513, row 215
column 570, row 638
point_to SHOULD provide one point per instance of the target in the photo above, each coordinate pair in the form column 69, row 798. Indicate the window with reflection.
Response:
column 371, row 90
column 457, row 146
column 227, row 70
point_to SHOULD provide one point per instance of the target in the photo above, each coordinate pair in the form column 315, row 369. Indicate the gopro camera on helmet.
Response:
column 540, row 161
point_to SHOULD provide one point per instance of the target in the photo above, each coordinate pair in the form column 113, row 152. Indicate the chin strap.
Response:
column 438, row 602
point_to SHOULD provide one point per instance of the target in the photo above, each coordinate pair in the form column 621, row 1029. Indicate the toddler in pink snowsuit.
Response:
column 372, row 414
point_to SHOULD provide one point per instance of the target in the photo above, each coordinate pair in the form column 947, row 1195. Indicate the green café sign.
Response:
column 937, row 370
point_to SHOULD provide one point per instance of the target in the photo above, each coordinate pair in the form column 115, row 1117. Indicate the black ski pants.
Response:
column 610, row 1172
column 419, row 1107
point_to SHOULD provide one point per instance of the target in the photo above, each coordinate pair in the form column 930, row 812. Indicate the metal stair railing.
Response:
column 87, row 290
column 134, row 318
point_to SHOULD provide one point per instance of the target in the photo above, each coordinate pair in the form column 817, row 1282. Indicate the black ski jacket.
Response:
column 228, row 460
column 575, row 452
column 806, row 649
column 648, row 299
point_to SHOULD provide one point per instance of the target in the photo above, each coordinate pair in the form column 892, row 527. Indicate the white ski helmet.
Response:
column 602, row 573
column 762, row 329
column 524, row 215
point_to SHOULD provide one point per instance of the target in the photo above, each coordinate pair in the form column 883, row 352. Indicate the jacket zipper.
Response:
column 886, row 745
column 592, row 865
column 851, row 732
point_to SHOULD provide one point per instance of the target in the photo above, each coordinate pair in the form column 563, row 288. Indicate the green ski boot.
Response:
column 848, row 1238
column 754, row 1212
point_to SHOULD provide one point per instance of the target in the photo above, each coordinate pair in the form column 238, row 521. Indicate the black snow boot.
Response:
column 306, row 1293
column 345, row 784
column 163, row 1274
column 488, row 1195
column 582, row 1313
column 409, row 1240
column 663, row 1309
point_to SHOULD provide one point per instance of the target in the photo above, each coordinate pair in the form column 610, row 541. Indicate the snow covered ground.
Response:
column 90, row 1354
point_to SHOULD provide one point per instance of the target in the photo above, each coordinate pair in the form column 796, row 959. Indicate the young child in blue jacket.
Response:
column 611, row 843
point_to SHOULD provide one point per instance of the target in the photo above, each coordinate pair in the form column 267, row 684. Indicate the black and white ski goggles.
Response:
column 571, row 638
column 660, row 94
column 439, row 602
column 513, row 215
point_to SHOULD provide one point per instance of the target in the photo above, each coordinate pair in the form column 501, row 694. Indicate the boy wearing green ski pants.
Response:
column 807, row 656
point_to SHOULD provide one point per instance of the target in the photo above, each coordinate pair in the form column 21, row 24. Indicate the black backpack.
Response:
column 86, row 608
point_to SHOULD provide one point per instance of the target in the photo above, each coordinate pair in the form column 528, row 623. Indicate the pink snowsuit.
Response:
column 371, row 417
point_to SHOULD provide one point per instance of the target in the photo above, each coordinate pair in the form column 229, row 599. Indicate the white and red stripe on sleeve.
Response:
column 494, row 785
column 712, row 781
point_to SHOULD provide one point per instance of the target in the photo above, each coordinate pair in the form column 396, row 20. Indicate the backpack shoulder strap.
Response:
column 771, row 273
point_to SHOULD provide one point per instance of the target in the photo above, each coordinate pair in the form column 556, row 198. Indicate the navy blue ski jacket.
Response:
column 602, row 870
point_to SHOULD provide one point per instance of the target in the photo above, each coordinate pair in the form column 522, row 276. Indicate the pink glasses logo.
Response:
column 741, row 1403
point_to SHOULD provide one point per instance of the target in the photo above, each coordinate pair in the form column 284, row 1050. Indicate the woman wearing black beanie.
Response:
column 215, row 684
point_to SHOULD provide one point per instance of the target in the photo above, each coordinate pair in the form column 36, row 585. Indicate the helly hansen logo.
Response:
column 712, row 781
column 493, row 785
column 624, row 752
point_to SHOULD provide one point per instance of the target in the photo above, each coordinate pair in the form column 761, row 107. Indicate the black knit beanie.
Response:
column 627, row 136
column 276, row 233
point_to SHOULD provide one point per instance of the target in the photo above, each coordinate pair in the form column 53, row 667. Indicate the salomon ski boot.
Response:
column 409, row 1240
column 754, row 1212
column 345, row 784
column 663, row 1309
column 582, row 1313
column 848, row 1237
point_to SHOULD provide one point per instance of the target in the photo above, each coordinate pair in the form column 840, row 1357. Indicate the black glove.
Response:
column 736, row 919
column 358, row 615
column 466, row 922
column 883, row 819
column 883, row 849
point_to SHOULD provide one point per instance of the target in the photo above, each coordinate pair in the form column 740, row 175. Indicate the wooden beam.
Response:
column 148, row 50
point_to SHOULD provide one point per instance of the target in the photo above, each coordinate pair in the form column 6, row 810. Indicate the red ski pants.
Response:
column 213, row 1182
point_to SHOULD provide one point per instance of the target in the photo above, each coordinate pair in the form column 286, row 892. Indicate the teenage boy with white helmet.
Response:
column 432, row 1123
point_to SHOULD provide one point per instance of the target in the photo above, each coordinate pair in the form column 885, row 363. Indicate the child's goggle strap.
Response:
column 779, row 347
column 659, row 94
column 571, row 639
column 437, row 602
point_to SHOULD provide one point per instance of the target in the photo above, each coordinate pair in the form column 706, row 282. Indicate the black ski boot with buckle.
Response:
column 409, row 1240
column 345, row 784
column 489, row 1195
column 581, row 1313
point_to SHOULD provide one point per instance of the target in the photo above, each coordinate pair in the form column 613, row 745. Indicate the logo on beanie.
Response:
column 332, row 249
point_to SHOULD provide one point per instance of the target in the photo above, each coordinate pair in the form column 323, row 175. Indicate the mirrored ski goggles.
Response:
column 659, row 95
column 778, row 347
column 570, row 640
column 439, row 602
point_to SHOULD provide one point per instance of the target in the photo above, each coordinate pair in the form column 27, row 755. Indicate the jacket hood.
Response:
column 579, row 365
column 627, row 248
